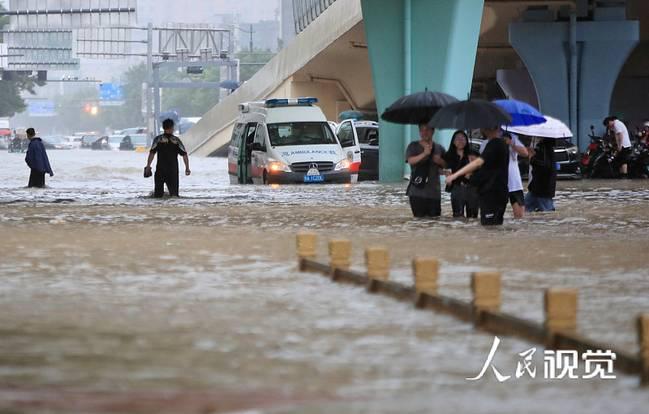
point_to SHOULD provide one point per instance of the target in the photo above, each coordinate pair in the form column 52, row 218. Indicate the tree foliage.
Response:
column 11, row 101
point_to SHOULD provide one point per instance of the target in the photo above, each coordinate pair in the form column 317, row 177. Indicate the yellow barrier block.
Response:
column 426, row 271
column 340, row 252
column 377, row 261
column 486, row 290
column 560, row 309
column 643, row 337
column 306, row 245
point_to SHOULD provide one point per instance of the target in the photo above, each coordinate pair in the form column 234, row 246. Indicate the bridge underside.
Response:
column 364, row 54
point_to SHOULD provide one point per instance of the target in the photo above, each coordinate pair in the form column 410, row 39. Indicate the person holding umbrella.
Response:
column 491, row 177
column 516, row 194
column 491, row 168
column 425, row 159
column 543, row 185
column 424, row 156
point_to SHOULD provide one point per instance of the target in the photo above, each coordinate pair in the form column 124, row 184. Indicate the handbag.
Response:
column 421, row 174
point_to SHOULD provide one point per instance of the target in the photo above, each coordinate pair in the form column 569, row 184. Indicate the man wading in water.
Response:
column 168, row 147
column 37, row 160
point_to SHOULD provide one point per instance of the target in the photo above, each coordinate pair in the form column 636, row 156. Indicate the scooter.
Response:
column 639, row 160
column 598, row 161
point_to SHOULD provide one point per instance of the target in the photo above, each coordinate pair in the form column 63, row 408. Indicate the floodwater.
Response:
column 113, row 302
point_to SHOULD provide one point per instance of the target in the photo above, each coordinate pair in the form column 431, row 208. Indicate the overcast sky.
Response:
column 201, row 11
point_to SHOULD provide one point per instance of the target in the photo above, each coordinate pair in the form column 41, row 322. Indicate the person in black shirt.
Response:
column 463, row 202
column 168, row 147
column 425, row 159
column 543, row 184
column 491, row 178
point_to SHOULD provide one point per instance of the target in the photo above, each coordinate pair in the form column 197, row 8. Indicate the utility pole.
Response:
column 149, row 82
column 251, row 32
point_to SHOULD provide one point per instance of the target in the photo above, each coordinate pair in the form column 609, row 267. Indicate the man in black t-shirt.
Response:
column 491, row 178
column 168, row 147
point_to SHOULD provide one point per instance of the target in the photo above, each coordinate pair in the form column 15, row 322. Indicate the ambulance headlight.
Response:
column 343, row 165
column 278, row 166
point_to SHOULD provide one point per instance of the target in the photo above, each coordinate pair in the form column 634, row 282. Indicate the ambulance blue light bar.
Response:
column 274, row 103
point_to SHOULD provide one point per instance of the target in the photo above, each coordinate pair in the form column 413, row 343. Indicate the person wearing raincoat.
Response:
column 37, row 160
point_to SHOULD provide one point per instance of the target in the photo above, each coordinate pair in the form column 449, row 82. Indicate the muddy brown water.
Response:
column 111, row 302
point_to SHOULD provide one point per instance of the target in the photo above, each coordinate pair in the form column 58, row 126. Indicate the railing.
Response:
column 306, row 11
column 557, row 332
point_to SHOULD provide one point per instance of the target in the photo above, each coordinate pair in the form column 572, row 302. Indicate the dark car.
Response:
column 100, row 144
column 565, row 156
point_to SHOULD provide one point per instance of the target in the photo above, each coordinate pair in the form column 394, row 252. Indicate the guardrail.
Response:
column 560, row 304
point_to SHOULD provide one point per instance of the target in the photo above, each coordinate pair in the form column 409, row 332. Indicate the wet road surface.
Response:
column 111, row 301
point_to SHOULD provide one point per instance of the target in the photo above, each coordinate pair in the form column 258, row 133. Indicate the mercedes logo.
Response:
column 313, row 165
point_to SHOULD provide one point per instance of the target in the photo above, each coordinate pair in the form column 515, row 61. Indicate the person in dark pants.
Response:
column 37, row 160
column 425, row 159
column 168, row 147
column 543, row 185
column 491, row 176
column 463, row 201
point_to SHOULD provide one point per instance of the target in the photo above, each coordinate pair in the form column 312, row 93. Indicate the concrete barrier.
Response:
column 643, row 338
column 340, row 254
column 560, row 304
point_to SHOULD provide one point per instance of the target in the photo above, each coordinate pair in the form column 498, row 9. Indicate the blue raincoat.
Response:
column 36, row 157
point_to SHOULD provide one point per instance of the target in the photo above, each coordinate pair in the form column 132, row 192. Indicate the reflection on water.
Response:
column 111, row 301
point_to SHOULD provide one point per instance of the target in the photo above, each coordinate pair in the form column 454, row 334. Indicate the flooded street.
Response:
column 114, row 302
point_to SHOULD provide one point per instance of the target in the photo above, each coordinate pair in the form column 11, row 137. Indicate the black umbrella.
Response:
column 417, row 108
column 471, row 114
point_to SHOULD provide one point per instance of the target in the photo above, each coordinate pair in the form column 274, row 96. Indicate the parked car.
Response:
column 74, row 140
column 114, row 141
column 88, row 139
column 360, row 140
column 58, row 142
column 100, row 144
column 565, row 156
column 131, row 131
column 135, row 142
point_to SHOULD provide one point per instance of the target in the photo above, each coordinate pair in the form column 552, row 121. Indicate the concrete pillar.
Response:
column 560, row 309
column 643, row 337
column 377, row 260
column 486, row 290
column 340, row 252
column 444, row 36
column 306, row 245
column 426, row 271
column 602, row 49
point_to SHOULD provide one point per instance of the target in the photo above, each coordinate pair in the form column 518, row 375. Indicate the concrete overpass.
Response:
column 363, row 54
column 304, row 68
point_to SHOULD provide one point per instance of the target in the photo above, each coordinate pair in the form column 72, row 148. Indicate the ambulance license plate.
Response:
column 313, row 176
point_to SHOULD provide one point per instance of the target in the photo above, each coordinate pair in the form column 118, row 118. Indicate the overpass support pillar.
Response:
column 413, row 45
column 575, row 87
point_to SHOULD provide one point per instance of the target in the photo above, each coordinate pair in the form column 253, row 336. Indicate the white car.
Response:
column 74, row 140
column 114, row 141
column 285, row 141
column 56, row 142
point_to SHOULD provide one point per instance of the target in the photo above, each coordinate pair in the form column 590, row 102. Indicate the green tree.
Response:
column 11, row 101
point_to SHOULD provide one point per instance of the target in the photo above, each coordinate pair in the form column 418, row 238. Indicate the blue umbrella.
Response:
column 522, row 114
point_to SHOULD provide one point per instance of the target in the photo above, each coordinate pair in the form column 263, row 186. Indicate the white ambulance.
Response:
column 285, row 141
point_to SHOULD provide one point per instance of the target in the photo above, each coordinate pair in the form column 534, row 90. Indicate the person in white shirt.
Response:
column 623, row 143
column 514, row 181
